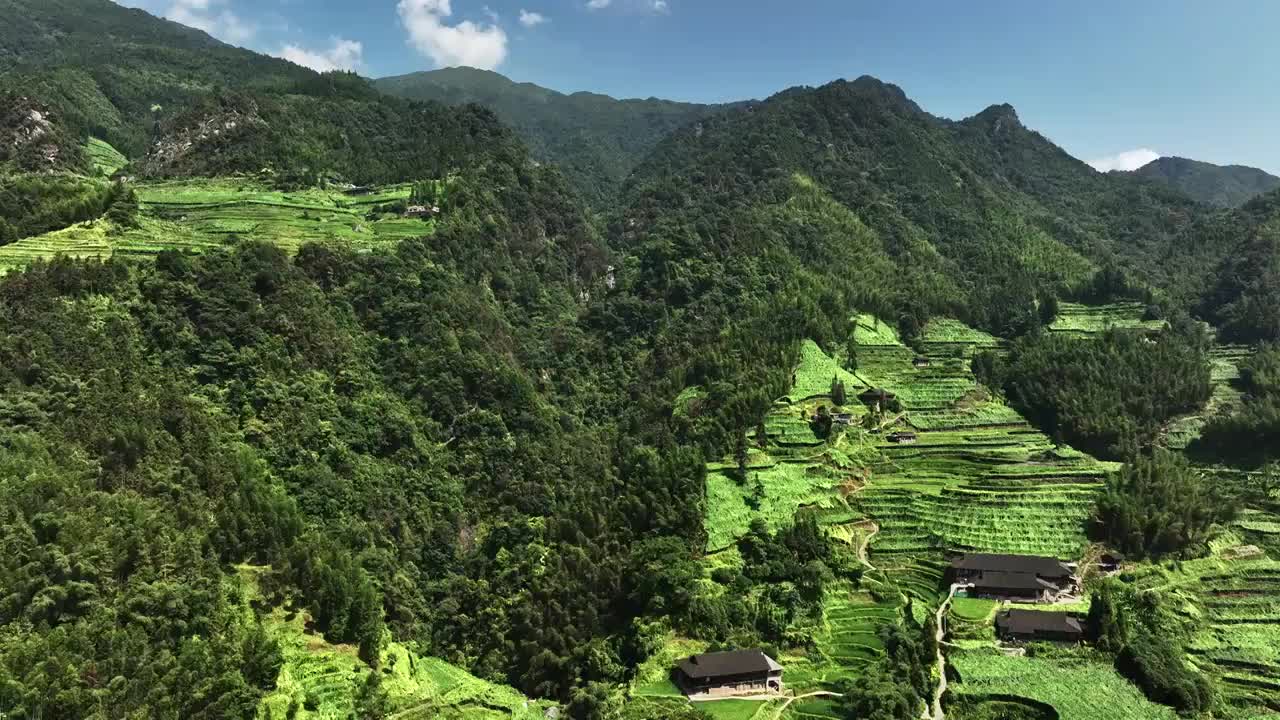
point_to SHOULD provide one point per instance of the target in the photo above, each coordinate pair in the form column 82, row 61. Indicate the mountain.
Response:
column 596, row 140
column 994, row 206
column 1218, row 185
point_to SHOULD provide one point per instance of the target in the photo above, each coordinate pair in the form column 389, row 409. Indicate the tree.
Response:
column 1048, row 309
column 740, row 456
column 1106, row 624
column 908, row 329
column 851, row 354
column 837, row 392
column 821, row 422
column 1159, row 505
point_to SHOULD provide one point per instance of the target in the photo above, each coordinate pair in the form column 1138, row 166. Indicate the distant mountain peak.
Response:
column 1221, row 185
column 998, row 119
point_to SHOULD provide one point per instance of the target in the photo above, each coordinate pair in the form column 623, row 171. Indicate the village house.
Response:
column 726, row 674
column 920, row 362
column 876, row 398
column 1035, row 625
column 1012, row 577
column 421, row 211
column 902, row 438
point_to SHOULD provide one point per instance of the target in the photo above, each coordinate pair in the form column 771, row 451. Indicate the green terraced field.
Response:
column 788, row 486
column 100, row 239
column 194, row 215
column 846, row 640
column 106, row 160
column 319, row 680
column 814, row 375
column 977, row 478
column 1088, row 320
column 1079, row 687
column 1232, row 603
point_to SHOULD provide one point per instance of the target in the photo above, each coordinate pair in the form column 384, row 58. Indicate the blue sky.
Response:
column 1102, row 79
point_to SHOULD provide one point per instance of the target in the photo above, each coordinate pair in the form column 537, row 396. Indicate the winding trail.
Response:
column 794, row 698
column 934, row 712
column 866, row 543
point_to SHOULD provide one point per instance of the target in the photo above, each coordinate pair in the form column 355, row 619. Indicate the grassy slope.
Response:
column 1080, row 686
column 321, row 679
column 106, row 160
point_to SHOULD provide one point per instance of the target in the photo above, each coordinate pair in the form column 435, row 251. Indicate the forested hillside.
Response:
column 1244, row 299
column 594, row 139
column 280, row 443
column 1009, row 218
column 1219, row 185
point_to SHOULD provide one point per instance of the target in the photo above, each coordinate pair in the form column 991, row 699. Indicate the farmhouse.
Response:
column 874, row 397
column 901, row 438
column 843, row 418
column 920, row 362
column 1030, row 625
column 358, row 190
column 420, row 211
column 721, row 674
column 1022, row 577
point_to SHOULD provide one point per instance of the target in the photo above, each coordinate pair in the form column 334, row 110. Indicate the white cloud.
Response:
column 466, row 43
column 342, row 55
column 1127, row 160
column 531, row 19
column 661, row 7
column 205, row 15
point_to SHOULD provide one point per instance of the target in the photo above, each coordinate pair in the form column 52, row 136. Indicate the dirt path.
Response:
column 866, row 543
column 934, row 711
column 792, row 699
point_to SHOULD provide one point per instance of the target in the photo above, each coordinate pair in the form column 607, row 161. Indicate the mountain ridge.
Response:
column 1218, row 185
column 595, row 139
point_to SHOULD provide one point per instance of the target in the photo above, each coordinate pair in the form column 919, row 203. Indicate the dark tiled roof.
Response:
column 1012, row 581
column 721, row 664
column 986, row 562
column 1029, row 622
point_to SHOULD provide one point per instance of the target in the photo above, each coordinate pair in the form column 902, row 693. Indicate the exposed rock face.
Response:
column 199, row 135
column 30, row 136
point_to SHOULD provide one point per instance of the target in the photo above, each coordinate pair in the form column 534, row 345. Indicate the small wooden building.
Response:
column 1034, row 625
column 358, row 190
column 873, row 397
column 902, row 438
column 920, row 362
column 726, row 674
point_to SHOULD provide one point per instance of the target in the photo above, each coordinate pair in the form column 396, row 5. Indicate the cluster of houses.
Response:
column 1021, row 578
column 1018, row 578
